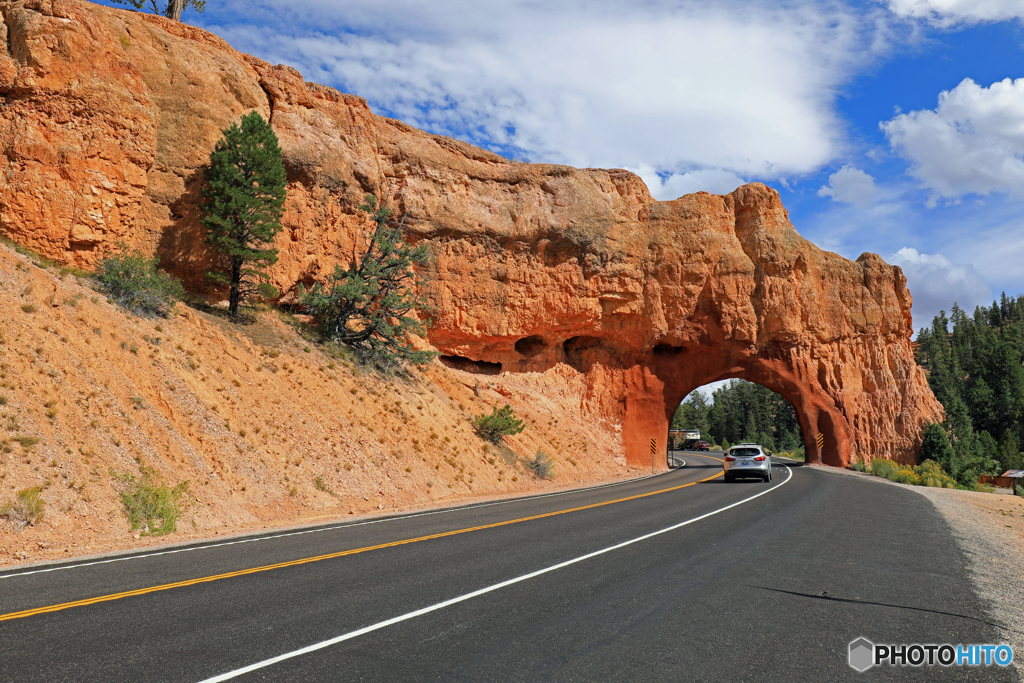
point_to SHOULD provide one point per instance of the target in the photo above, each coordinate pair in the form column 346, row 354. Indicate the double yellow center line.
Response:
column 329, row 556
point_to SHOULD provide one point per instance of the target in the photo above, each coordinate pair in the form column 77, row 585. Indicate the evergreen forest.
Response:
column 739, row 412
column 974, row 368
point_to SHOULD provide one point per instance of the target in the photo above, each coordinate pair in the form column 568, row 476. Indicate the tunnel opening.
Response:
column 736, row 411
column 657, row 387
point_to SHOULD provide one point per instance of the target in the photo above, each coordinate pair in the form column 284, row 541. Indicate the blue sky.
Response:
column 890, row 126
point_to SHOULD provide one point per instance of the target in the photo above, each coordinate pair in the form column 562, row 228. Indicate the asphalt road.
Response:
column 654, row 581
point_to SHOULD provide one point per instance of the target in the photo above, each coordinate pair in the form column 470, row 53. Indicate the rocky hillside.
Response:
column 266, row 428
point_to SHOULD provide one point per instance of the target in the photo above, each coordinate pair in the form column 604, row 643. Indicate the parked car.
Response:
column 702, row 446
column 747, row 460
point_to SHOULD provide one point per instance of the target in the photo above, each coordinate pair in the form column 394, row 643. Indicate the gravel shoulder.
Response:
column 989, row 528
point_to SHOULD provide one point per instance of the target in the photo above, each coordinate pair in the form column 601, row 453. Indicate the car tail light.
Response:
column 759, row 458
column 729, row 458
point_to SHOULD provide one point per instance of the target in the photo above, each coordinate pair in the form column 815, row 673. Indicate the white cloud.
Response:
column 675, row 185
column 948, row 12
column 998, row 251
column 850, row 185
column 936, row 284
column 747, row 89
column 973, row 142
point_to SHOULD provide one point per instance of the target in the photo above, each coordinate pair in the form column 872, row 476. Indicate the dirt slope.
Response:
column 252, row 416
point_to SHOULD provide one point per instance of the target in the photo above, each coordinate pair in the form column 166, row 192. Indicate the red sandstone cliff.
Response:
column 109, row 116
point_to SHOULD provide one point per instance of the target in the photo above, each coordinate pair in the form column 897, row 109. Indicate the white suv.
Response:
column 747, row 460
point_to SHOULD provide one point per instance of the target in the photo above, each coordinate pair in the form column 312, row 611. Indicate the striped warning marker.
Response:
column 654, row 446
column 821, row 440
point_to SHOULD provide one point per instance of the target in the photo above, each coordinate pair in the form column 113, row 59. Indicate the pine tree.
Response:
column 172, row 8
column 245, row 196
column 367, row 307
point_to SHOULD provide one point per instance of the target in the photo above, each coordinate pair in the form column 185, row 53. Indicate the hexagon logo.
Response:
column 862, row 654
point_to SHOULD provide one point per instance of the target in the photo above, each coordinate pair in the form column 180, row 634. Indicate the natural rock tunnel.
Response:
column 536, row 267
column 655, row 299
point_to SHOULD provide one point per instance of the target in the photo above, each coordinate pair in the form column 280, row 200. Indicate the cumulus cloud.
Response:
column 675, row 185
column 850, row 185
column 936, row 284
column 948, row 12
column 744, row 88
column 973, row 142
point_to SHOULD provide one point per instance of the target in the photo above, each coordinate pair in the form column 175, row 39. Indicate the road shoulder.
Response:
column 989, row 530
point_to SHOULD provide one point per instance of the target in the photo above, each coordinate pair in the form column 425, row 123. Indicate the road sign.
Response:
column 821, row 440
column 654, row 446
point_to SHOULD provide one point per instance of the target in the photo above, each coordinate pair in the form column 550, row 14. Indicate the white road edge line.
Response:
column 468, row 596
column 333, row 527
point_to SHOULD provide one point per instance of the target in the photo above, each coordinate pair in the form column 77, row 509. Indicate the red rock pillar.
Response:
column 644, row 420
column 821, row 426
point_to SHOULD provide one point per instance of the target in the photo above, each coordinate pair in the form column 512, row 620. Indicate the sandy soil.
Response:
column 267, row 428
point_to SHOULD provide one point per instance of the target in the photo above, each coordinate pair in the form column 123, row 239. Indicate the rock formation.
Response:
column 110, row 115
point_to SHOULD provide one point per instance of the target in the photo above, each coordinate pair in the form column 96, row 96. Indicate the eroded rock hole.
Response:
column 576, row 349
column 477, row 367
column 530, row 346
column 667, row 350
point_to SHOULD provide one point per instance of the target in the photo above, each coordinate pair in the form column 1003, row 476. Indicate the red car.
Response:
column 702, row 446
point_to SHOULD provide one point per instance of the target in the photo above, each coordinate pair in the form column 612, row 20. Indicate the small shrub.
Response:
column 543, row 466
column 27, row 508
column 27, row 442
column 880, row 467
column 137, row 285
column 933, row 475
column 320, row 485
column 500, row 423
column 1020, row 491
column 28, row 308
column 150, row 504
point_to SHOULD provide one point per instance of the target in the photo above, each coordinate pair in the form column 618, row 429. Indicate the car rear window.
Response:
column 745, row 452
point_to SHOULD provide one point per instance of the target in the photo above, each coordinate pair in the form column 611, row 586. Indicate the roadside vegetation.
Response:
column 501, row 422
column 245, row 193
column 543, row 465
column 974, row 368
column 27, row 508
column 150, row 504
column 928, row 473
column 371, row 306
column 135, row 283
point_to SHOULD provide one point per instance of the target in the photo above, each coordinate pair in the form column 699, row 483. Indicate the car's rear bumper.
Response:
column 747, row 471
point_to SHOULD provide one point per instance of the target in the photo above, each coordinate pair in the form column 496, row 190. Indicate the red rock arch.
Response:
column 681, row 372
column 652, row 304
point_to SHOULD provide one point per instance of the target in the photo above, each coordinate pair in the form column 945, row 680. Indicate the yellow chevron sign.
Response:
column 654, row 446
column 821, row 440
